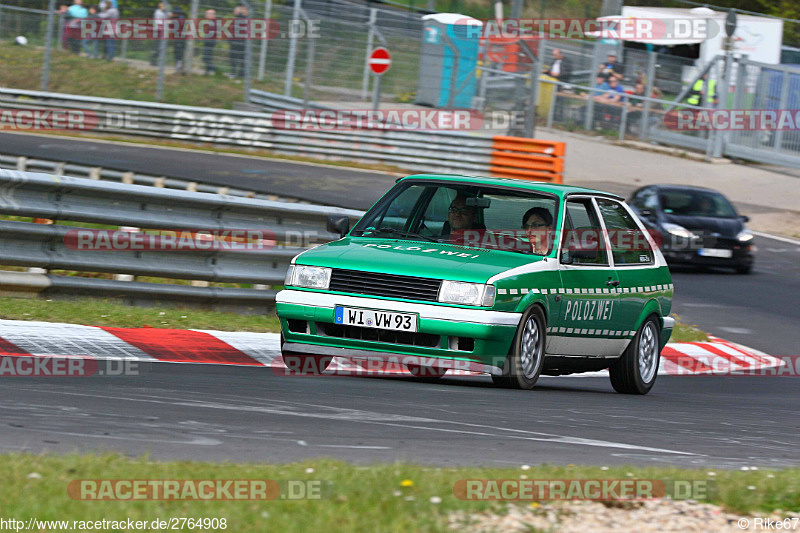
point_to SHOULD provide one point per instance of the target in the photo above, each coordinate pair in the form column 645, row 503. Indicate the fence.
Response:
column 79, row 200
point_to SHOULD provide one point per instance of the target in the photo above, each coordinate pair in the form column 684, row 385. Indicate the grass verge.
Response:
column 96, row 312
column 110, row 313
column 383, row 497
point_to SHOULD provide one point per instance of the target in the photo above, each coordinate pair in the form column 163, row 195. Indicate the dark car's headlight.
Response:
column 309, row 277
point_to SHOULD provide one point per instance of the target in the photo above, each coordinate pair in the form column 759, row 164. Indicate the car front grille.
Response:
column 388, row 285
column 379, row 335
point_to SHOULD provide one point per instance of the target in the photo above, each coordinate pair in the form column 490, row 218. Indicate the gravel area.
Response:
column 661, row 516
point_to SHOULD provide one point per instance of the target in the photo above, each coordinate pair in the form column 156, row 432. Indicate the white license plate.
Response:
column 371, row 318
column 715, row 252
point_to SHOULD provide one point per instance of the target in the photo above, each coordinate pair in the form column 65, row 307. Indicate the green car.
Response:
column 507, row 277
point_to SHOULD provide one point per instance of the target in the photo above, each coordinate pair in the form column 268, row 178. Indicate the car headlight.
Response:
column 459, row 292
column 744, row 236
column 679, row 231
column 308, row 277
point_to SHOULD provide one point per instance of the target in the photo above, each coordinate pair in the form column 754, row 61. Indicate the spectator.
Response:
column 561, row 69
column 90, row 46
column 618, row 94
column 236, row 51
column 611, row 69
column 639, row 90
column 208, row 46
column 62, row 12
column 110, row 12
column 179, row 46
column 159, row 16
column 600, row 85
column 698, row 94
column 75, row 13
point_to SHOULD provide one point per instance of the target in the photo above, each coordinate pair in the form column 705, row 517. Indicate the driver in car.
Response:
column 460, row 217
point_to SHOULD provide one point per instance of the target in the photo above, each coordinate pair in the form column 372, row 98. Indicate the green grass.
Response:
column 382, row 497
column 21, row 68
column 110, row 313
column 687, row 333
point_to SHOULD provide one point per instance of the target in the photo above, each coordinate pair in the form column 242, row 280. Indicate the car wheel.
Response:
column 523, row 365
column 304, row 364
column 744, row 269
column 636, row 371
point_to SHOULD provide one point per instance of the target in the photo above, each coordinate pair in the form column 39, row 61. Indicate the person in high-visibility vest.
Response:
column 698, row 89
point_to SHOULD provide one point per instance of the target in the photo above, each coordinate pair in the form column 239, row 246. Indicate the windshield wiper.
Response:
column 399, row 232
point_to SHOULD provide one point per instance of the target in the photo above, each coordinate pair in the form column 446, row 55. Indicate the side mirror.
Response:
column 745, row 218
column 338, row 224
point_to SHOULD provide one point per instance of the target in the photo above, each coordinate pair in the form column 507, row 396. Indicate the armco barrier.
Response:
column 80, row 200
column 518, row 157
column 427, row 151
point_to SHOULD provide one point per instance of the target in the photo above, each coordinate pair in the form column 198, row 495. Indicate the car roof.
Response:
column 678, row 187
column 542, row 186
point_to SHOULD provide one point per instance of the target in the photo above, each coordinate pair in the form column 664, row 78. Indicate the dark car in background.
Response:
column 697, row 226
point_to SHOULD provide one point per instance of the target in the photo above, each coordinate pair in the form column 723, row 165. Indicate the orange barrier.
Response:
column 523, row 158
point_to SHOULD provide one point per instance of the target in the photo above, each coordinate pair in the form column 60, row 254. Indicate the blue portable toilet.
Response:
column 450, row 46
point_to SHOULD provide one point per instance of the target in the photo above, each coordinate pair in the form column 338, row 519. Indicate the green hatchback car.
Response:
column 508, row 277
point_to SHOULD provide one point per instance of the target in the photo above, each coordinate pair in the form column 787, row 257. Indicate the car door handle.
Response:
column 613, row 282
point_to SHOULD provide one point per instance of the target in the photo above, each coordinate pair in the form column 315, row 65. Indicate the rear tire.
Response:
column 523, row 365
column 636, row 371
column 744, row 269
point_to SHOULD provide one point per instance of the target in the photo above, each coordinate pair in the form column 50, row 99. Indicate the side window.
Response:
column 629, row 245
column 583, row 241
column 651, row 200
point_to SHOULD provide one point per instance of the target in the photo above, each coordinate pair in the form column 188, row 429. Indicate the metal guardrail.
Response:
column 65, row 168
column 429, row 151
column 90, row 201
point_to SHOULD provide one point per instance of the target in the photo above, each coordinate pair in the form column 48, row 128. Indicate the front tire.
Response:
column 636, row 371
column 523, row 366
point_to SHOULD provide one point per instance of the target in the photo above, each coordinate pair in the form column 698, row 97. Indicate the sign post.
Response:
column 379, row 62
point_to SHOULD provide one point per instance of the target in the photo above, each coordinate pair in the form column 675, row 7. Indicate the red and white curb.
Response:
column 47, row 339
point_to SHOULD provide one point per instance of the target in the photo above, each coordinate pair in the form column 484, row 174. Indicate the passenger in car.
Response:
column 538, row 223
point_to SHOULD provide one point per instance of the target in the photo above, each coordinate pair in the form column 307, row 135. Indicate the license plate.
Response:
column 715, row 252
column 371, row 318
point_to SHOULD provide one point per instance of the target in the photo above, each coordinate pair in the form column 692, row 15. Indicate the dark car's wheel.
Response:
column 744, row 269
column 636, row 371
column 524, row 363
column 304, row 364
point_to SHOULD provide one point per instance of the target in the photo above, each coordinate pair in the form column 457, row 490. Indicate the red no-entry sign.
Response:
column 380, row 61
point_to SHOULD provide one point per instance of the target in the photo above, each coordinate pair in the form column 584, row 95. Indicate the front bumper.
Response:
column 741, row 254
column 445, row 333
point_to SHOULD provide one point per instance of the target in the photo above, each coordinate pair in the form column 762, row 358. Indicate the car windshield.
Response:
column 466, row 215
column 689, row 203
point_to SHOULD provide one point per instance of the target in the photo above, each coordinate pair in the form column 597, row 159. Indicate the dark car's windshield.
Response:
column 468, row 215
column 691, row 203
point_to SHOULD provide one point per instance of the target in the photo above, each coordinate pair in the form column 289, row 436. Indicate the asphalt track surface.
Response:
column 239, row 414
column 250, row 414
column 329, row 185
